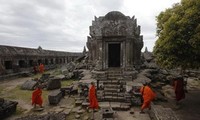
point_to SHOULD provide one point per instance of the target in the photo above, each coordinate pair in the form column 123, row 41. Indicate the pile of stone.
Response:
column 7, row 108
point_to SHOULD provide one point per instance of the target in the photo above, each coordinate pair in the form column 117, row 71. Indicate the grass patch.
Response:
column 57, row 72
column 17, row 93
column 25, row 95
column 19, row 111
column 66, row 82
column 1, row 90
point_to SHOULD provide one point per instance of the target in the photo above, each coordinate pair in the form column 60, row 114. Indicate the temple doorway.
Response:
column 114, row 55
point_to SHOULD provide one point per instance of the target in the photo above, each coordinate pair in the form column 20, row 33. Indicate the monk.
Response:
column 92, row 97
column 41, row 68
column 179, row 89
column 37, row 97
column 148, row 95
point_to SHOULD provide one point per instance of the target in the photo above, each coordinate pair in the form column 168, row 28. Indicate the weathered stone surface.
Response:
column 107, row 112
column 77, row 116
column 55, row 97
column 53, row 83
column 7, row 108
column 160, row 113
column 49, row 116
column 61, row 77
column 29, row 85
column 112, row 42
column 75, row 109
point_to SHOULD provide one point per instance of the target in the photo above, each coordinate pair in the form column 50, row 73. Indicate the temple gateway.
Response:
column 115, row 43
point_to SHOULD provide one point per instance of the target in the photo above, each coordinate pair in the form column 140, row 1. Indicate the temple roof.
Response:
column 115, row 15
column 15, row 51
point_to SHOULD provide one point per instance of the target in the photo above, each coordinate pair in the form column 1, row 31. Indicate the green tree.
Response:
column 178, row 31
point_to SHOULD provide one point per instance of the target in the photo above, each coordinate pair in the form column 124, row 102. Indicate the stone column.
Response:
column 128, row 50
column 99, row 54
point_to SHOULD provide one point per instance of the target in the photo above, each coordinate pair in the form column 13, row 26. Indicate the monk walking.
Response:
column 179, row 89
column 148, row 95
column 93, row 98
column 41, row 68
column 37, row 97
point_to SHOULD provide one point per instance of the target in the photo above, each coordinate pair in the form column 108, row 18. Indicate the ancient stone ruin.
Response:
column 118, row 69
column 115, row 42
column 114, row 47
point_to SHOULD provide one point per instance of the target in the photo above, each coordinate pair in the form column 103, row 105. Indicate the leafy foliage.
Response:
column 178, row 31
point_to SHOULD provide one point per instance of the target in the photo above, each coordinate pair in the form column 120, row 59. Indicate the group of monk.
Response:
column 147, row 94
column 39, row 69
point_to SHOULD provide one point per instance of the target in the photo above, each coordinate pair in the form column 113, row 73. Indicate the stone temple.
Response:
column 115, row 44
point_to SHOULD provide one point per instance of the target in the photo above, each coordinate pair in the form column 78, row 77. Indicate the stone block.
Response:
column 7, row 108
column 29, row 85
column 55, row 97
column 53, row 83
column 107, row 112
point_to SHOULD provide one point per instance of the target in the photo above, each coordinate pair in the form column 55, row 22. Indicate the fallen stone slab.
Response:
column 29, row 85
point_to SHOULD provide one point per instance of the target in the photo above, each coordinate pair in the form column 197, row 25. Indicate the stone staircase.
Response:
column 114, row 90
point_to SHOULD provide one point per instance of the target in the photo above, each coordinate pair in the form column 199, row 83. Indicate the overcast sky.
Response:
column 63, row 25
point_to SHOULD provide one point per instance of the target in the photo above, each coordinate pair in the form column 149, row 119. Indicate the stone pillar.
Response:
column 99, row 54
column 128, row 57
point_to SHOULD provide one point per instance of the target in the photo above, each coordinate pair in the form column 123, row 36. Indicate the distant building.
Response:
column 16, row 59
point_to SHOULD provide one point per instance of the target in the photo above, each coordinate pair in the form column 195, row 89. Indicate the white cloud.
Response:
column 64, row 24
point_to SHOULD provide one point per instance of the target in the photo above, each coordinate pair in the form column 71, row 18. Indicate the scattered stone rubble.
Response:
column 49, row 116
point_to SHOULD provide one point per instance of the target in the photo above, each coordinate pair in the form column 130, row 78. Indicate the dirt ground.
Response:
column 189, row 109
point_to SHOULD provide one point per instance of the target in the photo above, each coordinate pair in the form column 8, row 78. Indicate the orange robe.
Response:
column 41, row 68
column 92, row 98
column 148, row 96
column 36, row 97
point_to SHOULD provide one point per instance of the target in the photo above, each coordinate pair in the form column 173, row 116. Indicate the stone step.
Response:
column 112, row 86
column 114, row 75
column 120, row 94
column 114, row 82
column 111, row 90
column 113, row 99
column 160, row 113
column 115, row 105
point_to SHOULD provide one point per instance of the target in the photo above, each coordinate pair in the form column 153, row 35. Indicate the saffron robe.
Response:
column 36, row 97
column 92, row 98
column 148, row 95
column 41, row 68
